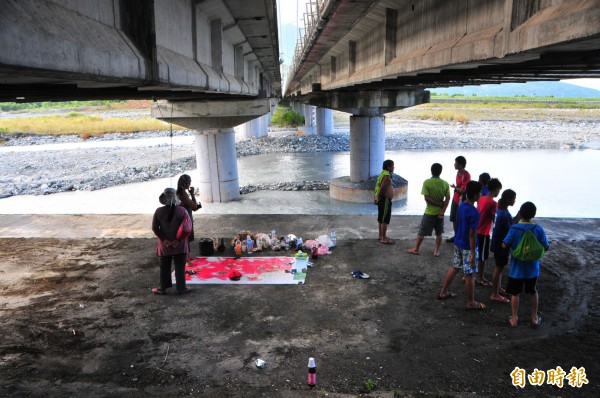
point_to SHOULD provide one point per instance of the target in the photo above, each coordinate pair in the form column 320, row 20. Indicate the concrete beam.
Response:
column 202, row 115
column 367, row 103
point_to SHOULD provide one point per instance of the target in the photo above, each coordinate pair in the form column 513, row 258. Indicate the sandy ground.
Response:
column 78, row 319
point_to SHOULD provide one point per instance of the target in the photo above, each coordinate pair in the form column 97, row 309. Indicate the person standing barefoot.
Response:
column 437, row 196
column 384, row 193
column 188, row 202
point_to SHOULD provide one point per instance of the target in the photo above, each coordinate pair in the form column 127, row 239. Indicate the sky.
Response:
column 589, row 83
column 290, row 16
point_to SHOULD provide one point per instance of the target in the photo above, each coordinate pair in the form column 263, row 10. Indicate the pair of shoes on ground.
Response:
column 485, row 283
column 161, row 292
column 360, row 275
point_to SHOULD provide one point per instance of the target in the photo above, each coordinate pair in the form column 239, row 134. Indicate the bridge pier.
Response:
column 309, row 127
column 367, row 146
column 213, row 121
column 264, row 125
column 249, row 129
column 367, row 136
column 217, row 165
column 324, row 121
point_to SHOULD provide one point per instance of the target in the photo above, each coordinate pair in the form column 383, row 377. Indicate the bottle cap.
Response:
column 311, row 363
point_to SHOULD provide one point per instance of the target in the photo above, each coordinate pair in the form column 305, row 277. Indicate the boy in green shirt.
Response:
column 437, row 196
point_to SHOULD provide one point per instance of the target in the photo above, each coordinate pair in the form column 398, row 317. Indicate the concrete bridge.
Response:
column 214, row 64
column 368, row 58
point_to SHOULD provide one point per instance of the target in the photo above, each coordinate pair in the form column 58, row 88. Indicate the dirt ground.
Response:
column 78, row 319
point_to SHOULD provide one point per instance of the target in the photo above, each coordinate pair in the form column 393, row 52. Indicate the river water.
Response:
column 562, row 183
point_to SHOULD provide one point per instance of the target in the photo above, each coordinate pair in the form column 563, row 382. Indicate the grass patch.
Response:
column 100, row 104
column 516, row 102
column 286, row 117
column 76, row 123
column 369, row 385
column 444, row 116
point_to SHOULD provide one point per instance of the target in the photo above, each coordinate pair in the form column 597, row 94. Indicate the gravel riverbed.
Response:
column 30, row 172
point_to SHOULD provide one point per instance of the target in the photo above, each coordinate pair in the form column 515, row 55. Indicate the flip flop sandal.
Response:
column 538, row 322
column 387, row 242
column 186, row 290
column 480, row 306
column 158, row 291
column 485, row 283
column 500, row 299
column 360, row 275
column 446, row 296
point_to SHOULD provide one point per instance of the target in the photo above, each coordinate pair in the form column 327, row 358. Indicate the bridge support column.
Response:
column 215, row 139
column 249, row 129
column 264, row 125
column 367, row 146
column 324, row 121
column 217, row 165
column 367, row 137
column 308, row 128
column 367, row 153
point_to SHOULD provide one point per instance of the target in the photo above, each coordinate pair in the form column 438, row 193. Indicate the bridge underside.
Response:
column 392, row 45
column 58, row 50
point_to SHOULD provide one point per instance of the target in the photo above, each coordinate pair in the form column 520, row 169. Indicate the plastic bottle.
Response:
column 249, row 244
column 299, row 243
column 273, row 234
column 333, row 237
column 238, row 248
column 312, row 372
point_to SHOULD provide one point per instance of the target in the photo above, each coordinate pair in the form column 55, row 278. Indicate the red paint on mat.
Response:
column 219, row 267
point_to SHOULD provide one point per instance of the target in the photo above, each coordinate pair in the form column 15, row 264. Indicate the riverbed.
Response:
column 557, row 181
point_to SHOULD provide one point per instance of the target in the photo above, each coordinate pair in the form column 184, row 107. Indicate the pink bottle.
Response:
column 312, row 372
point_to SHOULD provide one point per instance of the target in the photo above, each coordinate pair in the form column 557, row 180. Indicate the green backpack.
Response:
column 529, row 248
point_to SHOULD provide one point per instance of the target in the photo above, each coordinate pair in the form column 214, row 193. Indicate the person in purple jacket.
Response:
column 165, row 224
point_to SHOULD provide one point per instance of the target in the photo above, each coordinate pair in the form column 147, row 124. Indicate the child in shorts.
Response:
column 501, row 255
column 465, row 248
column 487, row 211
column 436, row 193
column 524, row 274
column 384, row 193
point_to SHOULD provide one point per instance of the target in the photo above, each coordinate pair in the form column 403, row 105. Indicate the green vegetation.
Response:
column 86, row 126
column 517, row 102
column 74, row 121
column 444, row 116
column 369, row 385
column 14, row 106
column 286, row 117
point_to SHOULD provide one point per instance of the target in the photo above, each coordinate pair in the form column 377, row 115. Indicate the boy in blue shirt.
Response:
column 524, row 273
column 465, row 247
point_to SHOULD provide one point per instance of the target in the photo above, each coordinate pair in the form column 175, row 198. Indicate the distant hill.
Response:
column 530, row 89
